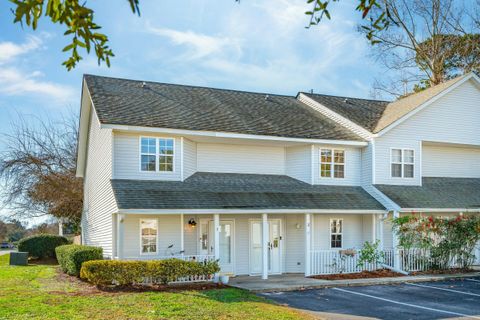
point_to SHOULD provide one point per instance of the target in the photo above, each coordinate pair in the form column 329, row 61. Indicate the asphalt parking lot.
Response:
column 459, row 299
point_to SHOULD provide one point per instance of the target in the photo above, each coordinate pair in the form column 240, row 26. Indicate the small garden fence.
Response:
column 347, row 261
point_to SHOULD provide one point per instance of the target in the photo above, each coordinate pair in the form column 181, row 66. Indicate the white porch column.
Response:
column 380, row 231
column 308, row 243
column 216, row 236
column 120, row 235
column 60, row 227
column 182, row 238
column 396, row 254
column 264, row 246
column 374, row 228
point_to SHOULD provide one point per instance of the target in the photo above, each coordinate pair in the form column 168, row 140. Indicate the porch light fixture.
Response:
column 192, row 222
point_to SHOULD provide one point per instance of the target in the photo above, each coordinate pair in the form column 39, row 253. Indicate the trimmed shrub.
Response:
column 42, row 245
column 71, row 256
column 106, row 272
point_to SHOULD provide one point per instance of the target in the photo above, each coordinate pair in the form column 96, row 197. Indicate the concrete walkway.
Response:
column 292, row 282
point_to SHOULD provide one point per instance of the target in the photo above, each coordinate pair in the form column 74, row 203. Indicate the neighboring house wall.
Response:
column 353, row 166
column 454, row 118
column 126, row 164
column 298, row 163
column 441, row 161
column 189, row 158
column 232, row 158
column 99, row 202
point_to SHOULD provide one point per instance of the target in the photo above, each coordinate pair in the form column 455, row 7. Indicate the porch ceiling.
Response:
column 239, row 191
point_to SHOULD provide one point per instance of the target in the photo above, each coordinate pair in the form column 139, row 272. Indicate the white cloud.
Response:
column 10, row 50
column 198, row 45
column 14, row 82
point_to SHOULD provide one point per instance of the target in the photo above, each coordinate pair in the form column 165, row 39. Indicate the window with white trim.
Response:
column 336, row 232
column 148, row 236
column 402, row 163
column 156, row 154
column 332, row 163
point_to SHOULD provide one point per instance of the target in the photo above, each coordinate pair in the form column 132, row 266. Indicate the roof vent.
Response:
column 267, row 97
column 144, row 84
column 346, row 100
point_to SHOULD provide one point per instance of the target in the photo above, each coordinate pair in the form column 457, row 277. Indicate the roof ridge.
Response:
column 331, row 95
column 191, row 86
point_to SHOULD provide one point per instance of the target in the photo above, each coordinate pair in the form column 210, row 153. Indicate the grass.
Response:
column 38, row 292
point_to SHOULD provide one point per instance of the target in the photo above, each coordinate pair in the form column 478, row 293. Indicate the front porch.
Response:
column 255, row 244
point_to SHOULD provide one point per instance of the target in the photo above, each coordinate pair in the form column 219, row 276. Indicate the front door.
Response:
column 207, row 242
column 274, row 246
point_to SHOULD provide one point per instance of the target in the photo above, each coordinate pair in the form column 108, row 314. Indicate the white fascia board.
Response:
column 438, row 210
column 382, row 198
column 252, row 211
column 427, row 103
column 355, row 128
column 85, row 110
column 229, row 135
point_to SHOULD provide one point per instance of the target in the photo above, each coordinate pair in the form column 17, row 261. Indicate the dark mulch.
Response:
column 44, row 261
column 382, row 273
column 444, row 271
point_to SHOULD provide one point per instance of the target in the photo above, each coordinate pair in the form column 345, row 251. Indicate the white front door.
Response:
column 207, row 242
column 274, row 246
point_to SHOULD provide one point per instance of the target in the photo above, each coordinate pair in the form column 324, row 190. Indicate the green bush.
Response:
column 42, row 245
column 106, row 272
column 71, row 256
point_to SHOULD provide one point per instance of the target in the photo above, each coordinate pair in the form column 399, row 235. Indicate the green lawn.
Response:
column 37, row 292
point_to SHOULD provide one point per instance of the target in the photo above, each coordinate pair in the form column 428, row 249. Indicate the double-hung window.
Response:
column 148, row 236
column 156, row 154
column 332, row 163
column 402, row 163
column 336, row 231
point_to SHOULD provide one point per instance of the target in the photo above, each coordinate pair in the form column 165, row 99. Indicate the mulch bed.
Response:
column 383, row 273
column 445, row 271
column 43, row 261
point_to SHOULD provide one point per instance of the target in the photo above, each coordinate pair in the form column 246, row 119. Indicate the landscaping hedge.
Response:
column 42, row 245
column 71, row 256
column 106, row 272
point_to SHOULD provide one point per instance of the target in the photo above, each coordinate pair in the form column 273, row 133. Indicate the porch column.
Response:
column 374, row 228
column 396, row 259
column 60, row 227
column 182, row 238
column 308, row 243
column 380, row 231
column 264, row 246
column 120, row 235
column 216, row 236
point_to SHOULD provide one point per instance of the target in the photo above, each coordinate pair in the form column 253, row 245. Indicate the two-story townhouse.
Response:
column 262, row 182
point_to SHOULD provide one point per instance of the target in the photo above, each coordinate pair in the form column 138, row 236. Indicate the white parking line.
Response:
column 475, row 280
column 408, row 304
column 443, row 289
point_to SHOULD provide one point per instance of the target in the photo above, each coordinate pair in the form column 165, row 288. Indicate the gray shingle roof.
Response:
column 458, row 193
column 363, row 112
column 238, row 191
column 126, row 102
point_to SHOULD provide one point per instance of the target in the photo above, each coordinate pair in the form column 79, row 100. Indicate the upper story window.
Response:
column 156, row 154
column 336, row 232
column 402, row 163
column 332, row 163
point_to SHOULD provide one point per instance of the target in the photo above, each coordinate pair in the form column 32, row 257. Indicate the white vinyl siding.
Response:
column 126, row 164
column 99, row 202
column 298, row 163
column 232, row 158
column 454, row 162
column 352, row 167
column 454, row 118
column 189, row 158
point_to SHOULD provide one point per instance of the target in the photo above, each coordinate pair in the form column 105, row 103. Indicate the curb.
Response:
column 374, row 282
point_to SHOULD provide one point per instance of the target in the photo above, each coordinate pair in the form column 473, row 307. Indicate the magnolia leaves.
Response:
column 79, row 23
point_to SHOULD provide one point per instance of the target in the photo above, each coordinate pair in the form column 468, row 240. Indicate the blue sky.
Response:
column 254, row 45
